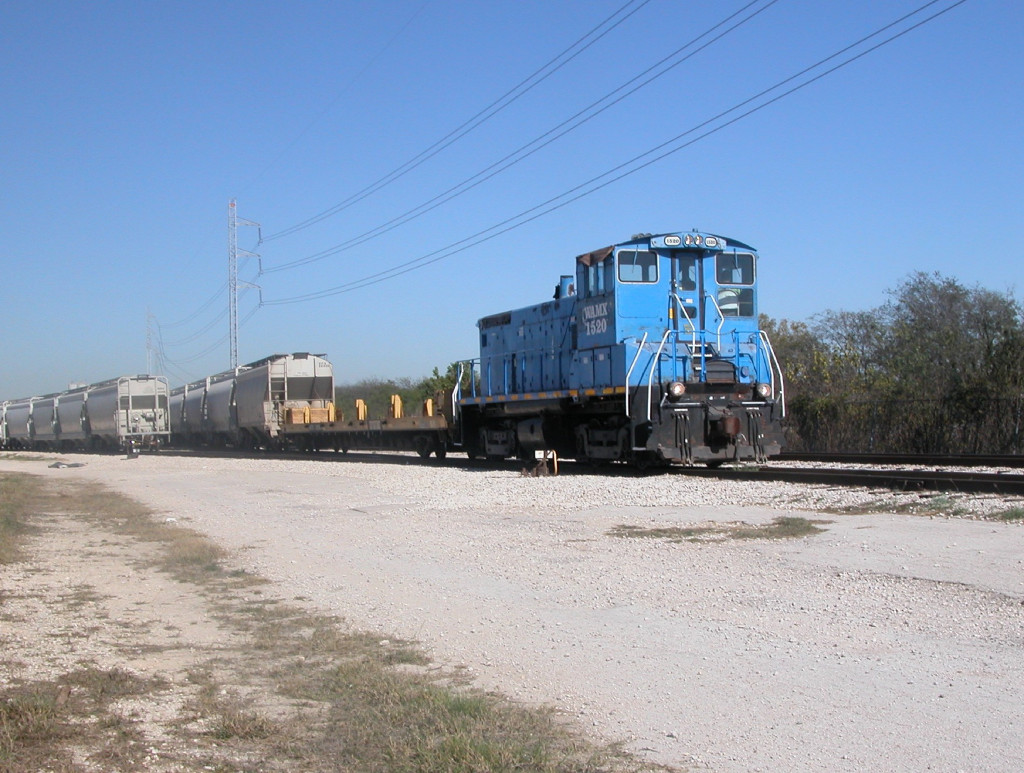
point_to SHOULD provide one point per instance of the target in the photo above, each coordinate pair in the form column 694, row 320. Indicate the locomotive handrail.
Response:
column 632, row 365
column 693, row 327
column 650, row 379
column 773, row 366
column 457, row 392
column 721, row 317
column 457, row 395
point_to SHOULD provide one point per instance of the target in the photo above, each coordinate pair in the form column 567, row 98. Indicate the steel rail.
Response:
column 939, row 460
column 898, row 479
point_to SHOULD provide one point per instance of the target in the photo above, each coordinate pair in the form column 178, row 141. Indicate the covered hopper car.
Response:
column 248, row 407
column 114, row 414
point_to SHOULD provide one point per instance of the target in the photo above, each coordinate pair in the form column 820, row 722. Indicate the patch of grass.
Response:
column 29, row 724
column 380, row 719
column 1013, row 514
column 40, row 722
column 786, row 527
column 227, row 717
column 21, row 456
column 78, row 596
column 937, row 504
column 184, row 553
column 98, row 687
column 780, row 528
column 924, row 504
column 188, row 553
column 17, row 493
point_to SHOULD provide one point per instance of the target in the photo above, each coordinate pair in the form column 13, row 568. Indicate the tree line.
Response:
column 938, row 368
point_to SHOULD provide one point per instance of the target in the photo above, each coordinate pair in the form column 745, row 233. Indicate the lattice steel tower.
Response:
column 233, row 253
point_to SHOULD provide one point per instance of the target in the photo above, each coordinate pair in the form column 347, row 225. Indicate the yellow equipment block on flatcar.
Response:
column 320, row 415
column 296, row 416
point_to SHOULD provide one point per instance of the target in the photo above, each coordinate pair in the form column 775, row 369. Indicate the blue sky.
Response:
column 127, row 127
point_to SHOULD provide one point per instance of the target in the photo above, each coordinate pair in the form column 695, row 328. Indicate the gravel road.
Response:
column 888, row 642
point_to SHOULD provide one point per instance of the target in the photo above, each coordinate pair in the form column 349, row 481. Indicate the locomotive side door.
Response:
column 641, row 282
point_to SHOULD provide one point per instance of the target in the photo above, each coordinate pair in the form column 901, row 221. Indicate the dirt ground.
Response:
column 887, row 641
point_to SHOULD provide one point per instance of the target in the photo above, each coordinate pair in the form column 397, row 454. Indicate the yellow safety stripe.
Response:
column 543, row 395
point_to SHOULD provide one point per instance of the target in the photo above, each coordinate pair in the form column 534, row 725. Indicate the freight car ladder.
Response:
column 278, row 391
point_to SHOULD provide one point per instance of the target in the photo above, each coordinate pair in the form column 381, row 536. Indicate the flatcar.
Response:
column 650, row 353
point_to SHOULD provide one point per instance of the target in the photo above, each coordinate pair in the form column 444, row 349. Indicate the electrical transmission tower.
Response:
column 150, row 319
column 233, row 254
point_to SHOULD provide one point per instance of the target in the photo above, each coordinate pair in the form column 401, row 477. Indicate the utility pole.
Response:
column 233, row 253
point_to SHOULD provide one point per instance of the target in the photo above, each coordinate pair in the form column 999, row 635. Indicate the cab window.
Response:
column 686, row 272
column 598, row 278
column 736, row 302
column 735, row 268
column 637, row 266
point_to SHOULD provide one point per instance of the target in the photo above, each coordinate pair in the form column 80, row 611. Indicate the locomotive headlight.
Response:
column 764, row 391
column 676, row 390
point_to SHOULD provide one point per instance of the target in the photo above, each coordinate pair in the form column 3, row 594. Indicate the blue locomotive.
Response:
column 650, row 354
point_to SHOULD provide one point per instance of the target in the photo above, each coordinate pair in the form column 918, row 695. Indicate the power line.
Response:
column 538, row 143
column 162, row 351
column 449, row 139
column 593, row 185
column 197, row 335
column 380, row 52
column 481, row 117
column 213, row 298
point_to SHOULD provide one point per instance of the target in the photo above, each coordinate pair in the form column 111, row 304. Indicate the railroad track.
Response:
column 901, row 479
column 938, row 460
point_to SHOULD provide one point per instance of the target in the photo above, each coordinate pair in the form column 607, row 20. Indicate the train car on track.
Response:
column 249, row 407
column 129, row 410
column 17, row 423
column 109, row 415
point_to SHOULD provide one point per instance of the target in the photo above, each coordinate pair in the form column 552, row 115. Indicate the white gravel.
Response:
column 889, row 642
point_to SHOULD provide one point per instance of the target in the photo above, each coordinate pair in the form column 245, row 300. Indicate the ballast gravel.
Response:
column 886, row 642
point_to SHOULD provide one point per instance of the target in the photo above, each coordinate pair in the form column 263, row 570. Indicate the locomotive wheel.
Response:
column 475, row 450
column 581, row 445
column 422, row 446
